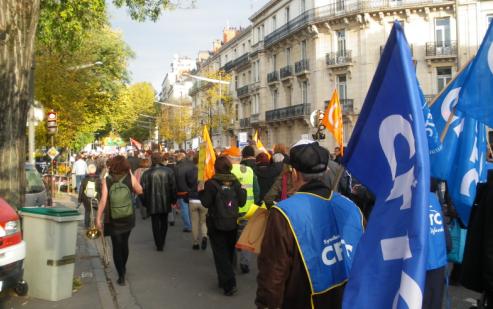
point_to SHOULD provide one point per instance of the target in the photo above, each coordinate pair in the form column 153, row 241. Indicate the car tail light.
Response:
column 10, row 233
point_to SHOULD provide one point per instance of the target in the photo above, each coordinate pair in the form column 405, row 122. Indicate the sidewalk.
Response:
column 91, row 289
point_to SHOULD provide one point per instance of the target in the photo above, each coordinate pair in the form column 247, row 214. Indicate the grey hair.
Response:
column 278, row 157
column 317, row 176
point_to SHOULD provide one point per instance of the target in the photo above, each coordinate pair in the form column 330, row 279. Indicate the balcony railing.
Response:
column 242, row 91
column 429, row 98
column 228, row 66
column 441, row 49
column 272, row 77
column 347, row 106
column 286, row 71
column 254, row 118
column 285, row 113
column 302, row 66
column 339, row 9
column 245, row 122
column 241, row 61
column 339, row 58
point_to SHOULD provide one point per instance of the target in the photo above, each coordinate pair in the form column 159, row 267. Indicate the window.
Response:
column 288, row 55
column 257, row 71
column 274, row 23
column 243, row 46
column 243, row 79
column 342, row 87
column 444, row 76
column 275, row 94
column 236, row 112
column 302, row 6
column 234, row 54
column 303, row 49
column 236, row 82
column 274, row 62
column 286, row 13
column 249, row 76
column 304, row 92
column 259, row 34
column 442, row 32
column 225, row 59
column 341, row 43
column 289, row 92
column 340, row 5
column 262, row 31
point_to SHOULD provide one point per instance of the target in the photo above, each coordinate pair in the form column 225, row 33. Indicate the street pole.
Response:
column 30, row 119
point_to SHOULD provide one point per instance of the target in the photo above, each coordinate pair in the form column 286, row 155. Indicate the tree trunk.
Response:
column 18, row 21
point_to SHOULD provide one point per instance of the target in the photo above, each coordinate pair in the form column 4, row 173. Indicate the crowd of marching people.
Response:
column 309, row 197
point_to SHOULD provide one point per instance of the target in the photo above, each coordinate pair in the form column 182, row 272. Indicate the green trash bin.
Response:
column 50, row 235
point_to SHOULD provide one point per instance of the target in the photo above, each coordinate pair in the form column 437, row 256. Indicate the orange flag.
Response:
column 333, row 120
column 260, row 146
column 207, row 157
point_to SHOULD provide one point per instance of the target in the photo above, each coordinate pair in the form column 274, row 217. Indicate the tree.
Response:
column 176, row 122
column 18, row 25
column 216, row 108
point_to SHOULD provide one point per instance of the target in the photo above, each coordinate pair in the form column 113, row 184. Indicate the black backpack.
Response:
column 225, row 212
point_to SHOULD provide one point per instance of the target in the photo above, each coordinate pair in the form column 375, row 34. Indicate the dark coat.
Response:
column 250, row 163
column 477, row 266
column 134, row 163
column 159, row 187
column 186, row 175
column 266, row 176
column 208, row 195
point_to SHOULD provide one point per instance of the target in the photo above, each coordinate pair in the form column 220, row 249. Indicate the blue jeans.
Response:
column 185, row 214
column 78, row 181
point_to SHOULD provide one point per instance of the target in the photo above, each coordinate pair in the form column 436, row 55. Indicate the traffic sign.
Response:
column 53, row 153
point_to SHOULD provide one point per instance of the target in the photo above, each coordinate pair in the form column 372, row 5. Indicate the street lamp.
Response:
column 34, row 116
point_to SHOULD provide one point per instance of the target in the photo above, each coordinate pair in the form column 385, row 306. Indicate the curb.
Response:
column 107, row 299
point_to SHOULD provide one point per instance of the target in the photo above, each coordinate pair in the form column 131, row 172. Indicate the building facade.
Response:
column 296, row 52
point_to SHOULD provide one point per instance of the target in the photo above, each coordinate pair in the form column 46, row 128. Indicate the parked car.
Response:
column 12, row 250
column 36, row 193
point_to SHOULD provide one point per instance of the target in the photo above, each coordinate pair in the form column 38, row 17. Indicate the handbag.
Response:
column 253, row 234
column 458, row 236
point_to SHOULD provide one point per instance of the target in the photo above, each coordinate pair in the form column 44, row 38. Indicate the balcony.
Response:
column 347, row 106
column 254, row 118
column 344, row 8
column 272, row 77
column 245, row 122
column 286, row 72
column 441, row 49
column 302, row 67
column 243, row 60
column 338, row 59
column 286, row 113
column 228, row 66
column 242, row 91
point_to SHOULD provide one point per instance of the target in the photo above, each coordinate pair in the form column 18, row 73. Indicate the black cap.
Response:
column 309, row 157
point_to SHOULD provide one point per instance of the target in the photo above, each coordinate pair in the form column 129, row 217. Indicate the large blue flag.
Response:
column 441, row 110
column 468, row 167
column 388, row 152
column 477, row 92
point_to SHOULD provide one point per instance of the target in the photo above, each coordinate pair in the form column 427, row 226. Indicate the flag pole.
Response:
column 447, row 125
column 451, row 81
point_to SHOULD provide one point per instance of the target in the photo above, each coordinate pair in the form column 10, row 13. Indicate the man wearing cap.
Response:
column 310, row 239
column 246, row 176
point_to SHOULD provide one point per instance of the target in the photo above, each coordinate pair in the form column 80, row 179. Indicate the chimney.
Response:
column 229, row 33
column 216, row 45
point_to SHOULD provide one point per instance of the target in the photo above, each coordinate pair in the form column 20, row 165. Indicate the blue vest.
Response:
column 327, row 232
column 437, row 249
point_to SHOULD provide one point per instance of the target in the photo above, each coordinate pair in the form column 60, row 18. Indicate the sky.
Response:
column 183, row 32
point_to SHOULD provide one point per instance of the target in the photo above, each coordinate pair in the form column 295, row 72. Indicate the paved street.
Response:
column 178, row 277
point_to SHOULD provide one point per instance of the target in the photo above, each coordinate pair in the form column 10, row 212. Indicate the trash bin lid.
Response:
column 51, row 211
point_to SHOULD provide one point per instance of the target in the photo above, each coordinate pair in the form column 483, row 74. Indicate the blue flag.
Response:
column 468, row 167
column 477, row 92
column 434, row 143
column 441, row 110
column 388, row 153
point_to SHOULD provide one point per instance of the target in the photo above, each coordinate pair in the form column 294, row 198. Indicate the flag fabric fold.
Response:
column 207, row 157
column 333, row 120
column 477, row 92
column 388, row 153
column 259, row 144
column 136, row 144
